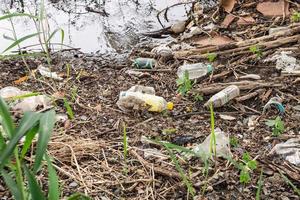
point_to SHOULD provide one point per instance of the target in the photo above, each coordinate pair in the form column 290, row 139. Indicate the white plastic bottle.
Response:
column 195, row 71
column 136, row 99
column 224, row 96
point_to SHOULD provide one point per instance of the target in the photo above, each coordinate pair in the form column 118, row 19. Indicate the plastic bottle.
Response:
column 137, row 100
column 144, row 63
column 224, row 96
column 195, row 71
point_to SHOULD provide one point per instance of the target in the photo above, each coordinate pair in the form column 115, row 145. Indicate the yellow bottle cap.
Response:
column 170, row 105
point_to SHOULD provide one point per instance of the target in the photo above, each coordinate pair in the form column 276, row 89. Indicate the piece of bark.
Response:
column 227, row 21
column 228, row 5
column 248, row 20
column 250, row 95
column 273, row 9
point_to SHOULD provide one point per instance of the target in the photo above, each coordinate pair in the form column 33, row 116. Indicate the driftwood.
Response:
column 243, row 85
column 290, row 35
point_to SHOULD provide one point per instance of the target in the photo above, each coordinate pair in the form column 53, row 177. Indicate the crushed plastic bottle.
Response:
column 195, row 71
column 224, row 96
column 140, row 97
column 10, row 91
column 144, row 63
column 162, row 51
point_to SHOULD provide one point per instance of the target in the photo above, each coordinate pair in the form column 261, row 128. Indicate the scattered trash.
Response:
column 251, row 122
column 162, row 51
column 285, row 62
column 251, row 76
column 222, row 145
column 9, row 92
column 24, row 103
column 224, row 96
column 227, row 117
column 178, row 27
column 61, row 118
column 137, row 73
column 144, row 63
column 142, row 89
column 195, row 71
column 45, row 71
column 32, row 103
column 290, row 150
column 140, row 97
column 277, row 102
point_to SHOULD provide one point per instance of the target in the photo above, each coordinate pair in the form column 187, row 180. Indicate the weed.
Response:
column 213, row 142
column 256, row 50
column 296, row 190
column 277, row 126
column 184, row 84
column 211, row 57
column 125, row 147
column 295, row 17
column 246, row 166
column 234, row 141
column 198, row 97
column 69, row 109
column 259, row 187
column 13, row 168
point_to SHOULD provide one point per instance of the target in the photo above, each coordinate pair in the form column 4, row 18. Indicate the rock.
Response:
column 178, row 27
column 73, row 184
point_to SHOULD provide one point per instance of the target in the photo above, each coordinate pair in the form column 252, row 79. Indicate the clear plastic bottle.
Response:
column 195, row 71
column 129, row 100
column 224, row 96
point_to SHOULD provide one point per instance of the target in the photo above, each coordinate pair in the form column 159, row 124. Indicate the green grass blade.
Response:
column 78, row 196
column 69, row 109
column 7, row 122
column 185, row 179
column 213, row 142
column 28, row 141
column 2, row 142
column 24, row 96
column 260, row 184
column 47, row 122
column 28, row 121
column 62, row 33
column 34, row 188
column 53, row 181
column 12, row 185
column 17, row 42
column 296, row 190
column 11, row 15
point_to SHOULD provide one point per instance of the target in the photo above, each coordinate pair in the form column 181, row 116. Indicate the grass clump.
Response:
column 277, row 126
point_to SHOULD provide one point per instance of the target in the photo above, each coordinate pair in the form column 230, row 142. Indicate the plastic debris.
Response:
column 251, row 76
column 45, row 71
column 195, row 71
column 277, row 102
column 285, row 62
column 162, row 51
column 32, row 103
column 222, row 145
column 178, row 27
column 144, row 63
column 24, row 104
column 9, row 92
column 290, row 150
column 140, row 97
column 227, row 117
column 224, row 96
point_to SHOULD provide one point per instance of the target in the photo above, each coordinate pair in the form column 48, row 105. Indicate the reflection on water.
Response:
column 93, row 25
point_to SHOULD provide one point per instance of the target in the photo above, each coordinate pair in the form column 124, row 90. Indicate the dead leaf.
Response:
column 227, row 21
column 21, row 80
column 273, row 9
column 212, row 41
column 58, row 95
column 248, row 20
column 228, row 5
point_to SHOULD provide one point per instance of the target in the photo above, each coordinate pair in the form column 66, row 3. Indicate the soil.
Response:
column 88, row 150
